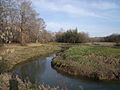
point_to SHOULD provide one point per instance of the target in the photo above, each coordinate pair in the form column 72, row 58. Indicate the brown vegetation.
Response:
column 12, row 56
column 96, row 62
column 9, row 83
column 19, row 23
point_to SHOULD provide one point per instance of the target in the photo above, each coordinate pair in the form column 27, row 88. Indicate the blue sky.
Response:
column 95, row 17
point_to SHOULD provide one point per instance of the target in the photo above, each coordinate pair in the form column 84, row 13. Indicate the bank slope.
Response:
column 96, row 62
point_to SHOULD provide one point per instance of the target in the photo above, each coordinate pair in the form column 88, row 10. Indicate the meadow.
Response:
column 94, row 62
column 82, row 60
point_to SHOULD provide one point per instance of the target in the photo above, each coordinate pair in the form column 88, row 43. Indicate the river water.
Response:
column 40, row 72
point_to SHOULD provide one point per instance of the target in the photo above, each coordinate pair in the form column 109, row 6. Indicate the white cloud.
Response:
column 104, row 11
column 98, row 4
column 76, row 8
column 77, row 11
column 56, row 26
column 92, row 30
column 104, row 5
column 67, row 8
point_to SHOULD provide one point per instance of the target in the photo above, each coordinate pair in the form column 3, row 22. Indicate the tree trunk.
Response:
column 22, row 38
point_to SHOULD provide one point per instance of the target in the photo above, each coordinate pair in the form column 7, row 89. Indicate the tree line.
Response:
column 72, row 36
column 109, row 38
column 20, row 23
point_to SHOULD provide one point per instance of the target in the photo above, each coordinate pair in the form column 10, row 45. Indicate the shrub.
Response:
column 72, row 36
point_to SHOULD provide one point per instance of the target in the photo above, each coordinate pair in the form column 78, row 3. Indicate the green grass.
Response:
column 90, row 61
column 96, row 50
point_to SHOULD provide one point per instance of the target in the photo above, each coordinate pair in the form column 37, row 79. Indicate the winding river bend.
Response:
column 40, row 72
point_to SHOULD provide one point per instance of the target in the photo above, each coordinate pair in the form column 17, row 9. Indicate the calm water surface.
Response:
column 41, row 72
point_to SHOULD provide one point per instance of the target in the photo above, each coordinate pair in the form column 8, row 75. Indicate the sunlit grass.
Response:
column 86, row 60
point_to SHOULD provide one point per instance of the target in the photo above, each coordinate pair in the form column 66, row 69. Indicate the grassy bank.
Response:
column 95, row 62
column 14, row 54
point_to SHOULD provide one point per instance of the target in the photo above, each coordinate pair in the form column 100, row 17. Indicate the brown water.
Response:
column 41, row 72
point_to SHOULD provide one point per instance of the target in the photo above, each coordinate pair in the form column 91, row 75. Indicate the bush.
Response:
column 72, row 36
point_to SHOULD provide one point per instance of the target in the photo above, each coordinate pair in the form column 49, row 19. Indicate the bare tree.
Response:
column 6, row 11
column 19, row 22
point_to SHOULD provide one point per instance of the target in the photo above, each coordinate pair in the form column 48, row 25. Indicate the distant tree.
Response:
column 72, row 36
column 83, row 37
column 111, row 38
column 58, row 37
column 45, row 36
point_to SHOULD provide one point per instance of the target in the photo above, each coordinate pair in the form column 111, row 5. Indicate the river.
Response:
column 40, row 72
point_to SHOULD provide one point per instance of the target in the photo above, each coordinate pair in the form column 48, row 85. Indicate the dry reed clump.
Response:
column 5, row 81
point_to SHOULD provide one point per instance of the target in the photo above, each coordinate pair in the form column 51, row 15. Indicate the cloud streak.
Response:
column 104, row 5
column 76, row 8
column 104, row 15
column 90, row 29
column 66, row 8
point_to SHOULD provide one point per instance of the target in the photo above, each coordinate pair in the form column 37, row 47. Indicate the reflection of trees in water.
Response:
column 13, row 84
column 32, row 71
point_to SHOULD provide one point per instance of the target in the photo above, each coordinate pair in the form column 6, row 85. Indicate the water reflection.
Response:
column 31, row 71
column 41, row 72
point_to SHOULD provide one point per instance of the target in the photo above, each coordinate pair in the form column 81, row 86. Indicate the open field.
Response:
column 14, row 54
column 102, row 43
column 89, row 61
column 97, row 62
